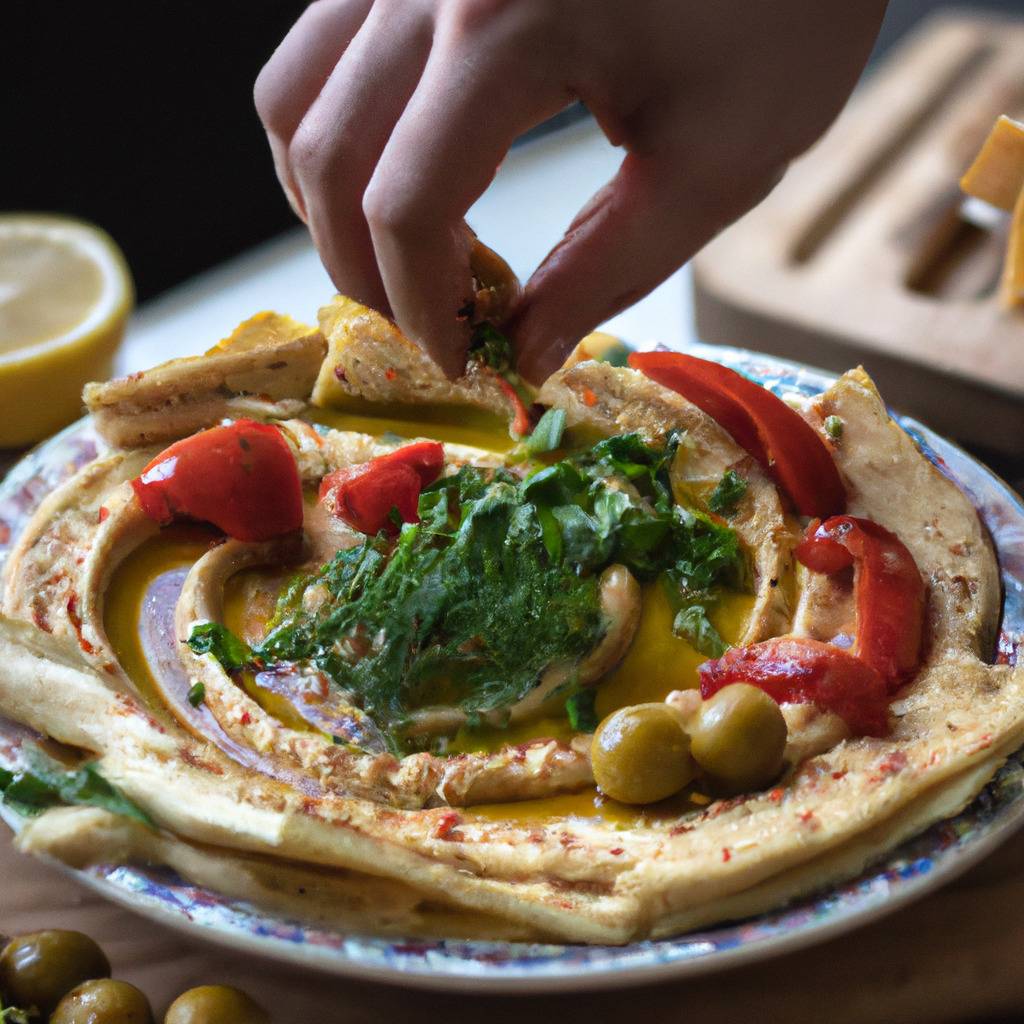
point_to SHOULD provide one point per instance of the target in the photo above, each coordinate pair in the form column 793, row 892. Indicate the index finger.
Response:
column 469, row 106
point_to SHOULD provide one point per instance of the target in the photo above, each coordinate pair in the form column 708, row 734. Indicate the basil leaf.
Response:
column 213, row 638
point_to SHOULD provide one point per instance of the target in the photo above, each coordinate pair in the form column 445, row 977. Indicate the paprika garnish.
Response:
column 888, row 588
column 365, row 495
column 241, row 477
column 785, row 445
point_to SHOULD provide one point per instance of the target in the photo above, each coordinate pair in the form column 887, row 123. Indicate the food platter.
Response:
column 917, row 866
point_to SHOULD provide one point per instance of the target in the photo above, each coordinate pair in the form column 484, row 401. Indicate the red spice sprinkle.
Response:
column 246, row 718
column 806, row 816
column 5, row 532
column 339, row 372
column 102, row 514
column 589, row 398
column 775, row 795
column 390, row 373
column 617, row 852
column 76, row 622
column 446, row 825
column 838, row 775
column 726, row 855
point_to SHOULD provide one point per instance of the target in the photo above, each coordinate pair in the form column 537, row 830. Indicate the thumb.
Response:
column 635, row 232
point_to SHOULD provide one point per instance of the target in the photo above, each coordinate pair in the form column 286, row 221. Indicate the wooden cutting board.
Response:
column 861, row 255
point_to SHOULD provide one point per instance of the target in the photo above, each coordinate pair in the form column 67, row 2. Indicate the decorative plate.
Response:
column 918, row 866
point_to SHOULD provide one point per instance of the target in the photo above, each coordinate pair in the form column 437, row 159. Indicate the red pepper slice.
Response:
column 520, row 415
column 241, row 477
column 364, row 495
column 801, row 670
column 785, row 445
column 889, row 590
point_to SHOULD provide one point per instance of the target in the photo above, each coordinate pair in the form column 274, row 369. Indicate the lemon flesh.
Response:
column 65, row 294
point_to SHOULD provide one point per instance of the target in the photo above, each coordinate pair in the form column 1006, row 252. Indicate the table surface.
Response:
column 953, row 956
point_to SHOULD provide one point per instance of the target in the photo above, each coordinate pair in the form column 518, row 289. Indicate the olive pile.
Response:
column 647, row 752
column 63, row 977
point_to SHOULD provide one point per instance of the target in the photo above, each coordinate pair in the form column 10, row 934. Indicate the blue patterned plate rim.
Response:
column 914, row 869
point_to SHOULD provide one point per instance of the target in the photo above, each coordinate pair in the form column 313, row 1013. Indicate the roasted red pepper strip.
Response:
column 364, row 495
column 801, row 670
column 889, row 590
column 785, row 445
column 241, row 477
column 520, row 415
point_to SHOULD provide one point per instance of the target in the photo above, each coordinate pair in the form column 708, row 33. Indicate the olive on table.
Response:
column 738, row 738
column 103, row 1001
column 215, row 1004
column 38, row 969
column 640, row 754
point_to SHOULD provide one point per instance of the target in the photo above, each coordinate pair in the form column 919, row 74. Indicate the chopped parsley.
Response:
column 726, row 496
column 496, row 582
column 581, row 711
column 196, row 693
column 492, row 348
column 213, row 638
column 45, row 783
column 834, row 427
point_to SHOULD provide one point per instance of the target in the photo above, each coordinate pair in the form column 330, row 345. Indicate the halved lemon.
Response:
column 65, row 295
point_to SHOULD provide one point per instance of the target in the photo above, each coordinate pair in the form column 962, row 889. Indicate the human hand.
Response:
column 388, row 118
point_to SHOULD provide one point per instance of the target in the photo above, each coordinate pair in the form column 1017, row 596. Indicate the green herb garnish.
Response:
column 196, row 694
column 580, row 710
column 834, row 427
column 547, row 435
column 45, row 783
column 497, row 581
column 492, row 348
column 213, row 638
column 726, row 496
column 14, row 1015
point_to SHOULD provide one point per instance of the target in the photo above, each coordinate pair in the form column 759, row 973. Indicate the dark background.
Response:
column 139, row 116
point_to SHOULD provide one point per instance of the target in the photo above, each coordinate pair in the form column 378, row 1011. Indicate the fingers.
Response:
column 471, row 102
column 333, row 152
column 296, row 72
column 635, row 232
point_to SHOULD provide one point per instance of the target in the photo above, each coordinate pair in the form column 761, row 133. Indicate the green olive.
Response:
column 641, row 754
column 103, row 1002
column 738, row 738
column 215, row 1004
column 39, row 968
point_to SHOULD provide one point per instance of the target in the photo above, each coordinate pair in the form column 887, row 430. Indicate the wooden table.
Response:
column 955, row 956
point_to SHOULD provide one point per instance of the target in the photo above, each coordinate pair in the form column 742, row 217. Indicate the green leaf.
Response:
column 492, row 348
column 213, row 638
column 692, row 624
column 45, row 783
column 580, row 709
column 547, row 435
column 726, row 496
